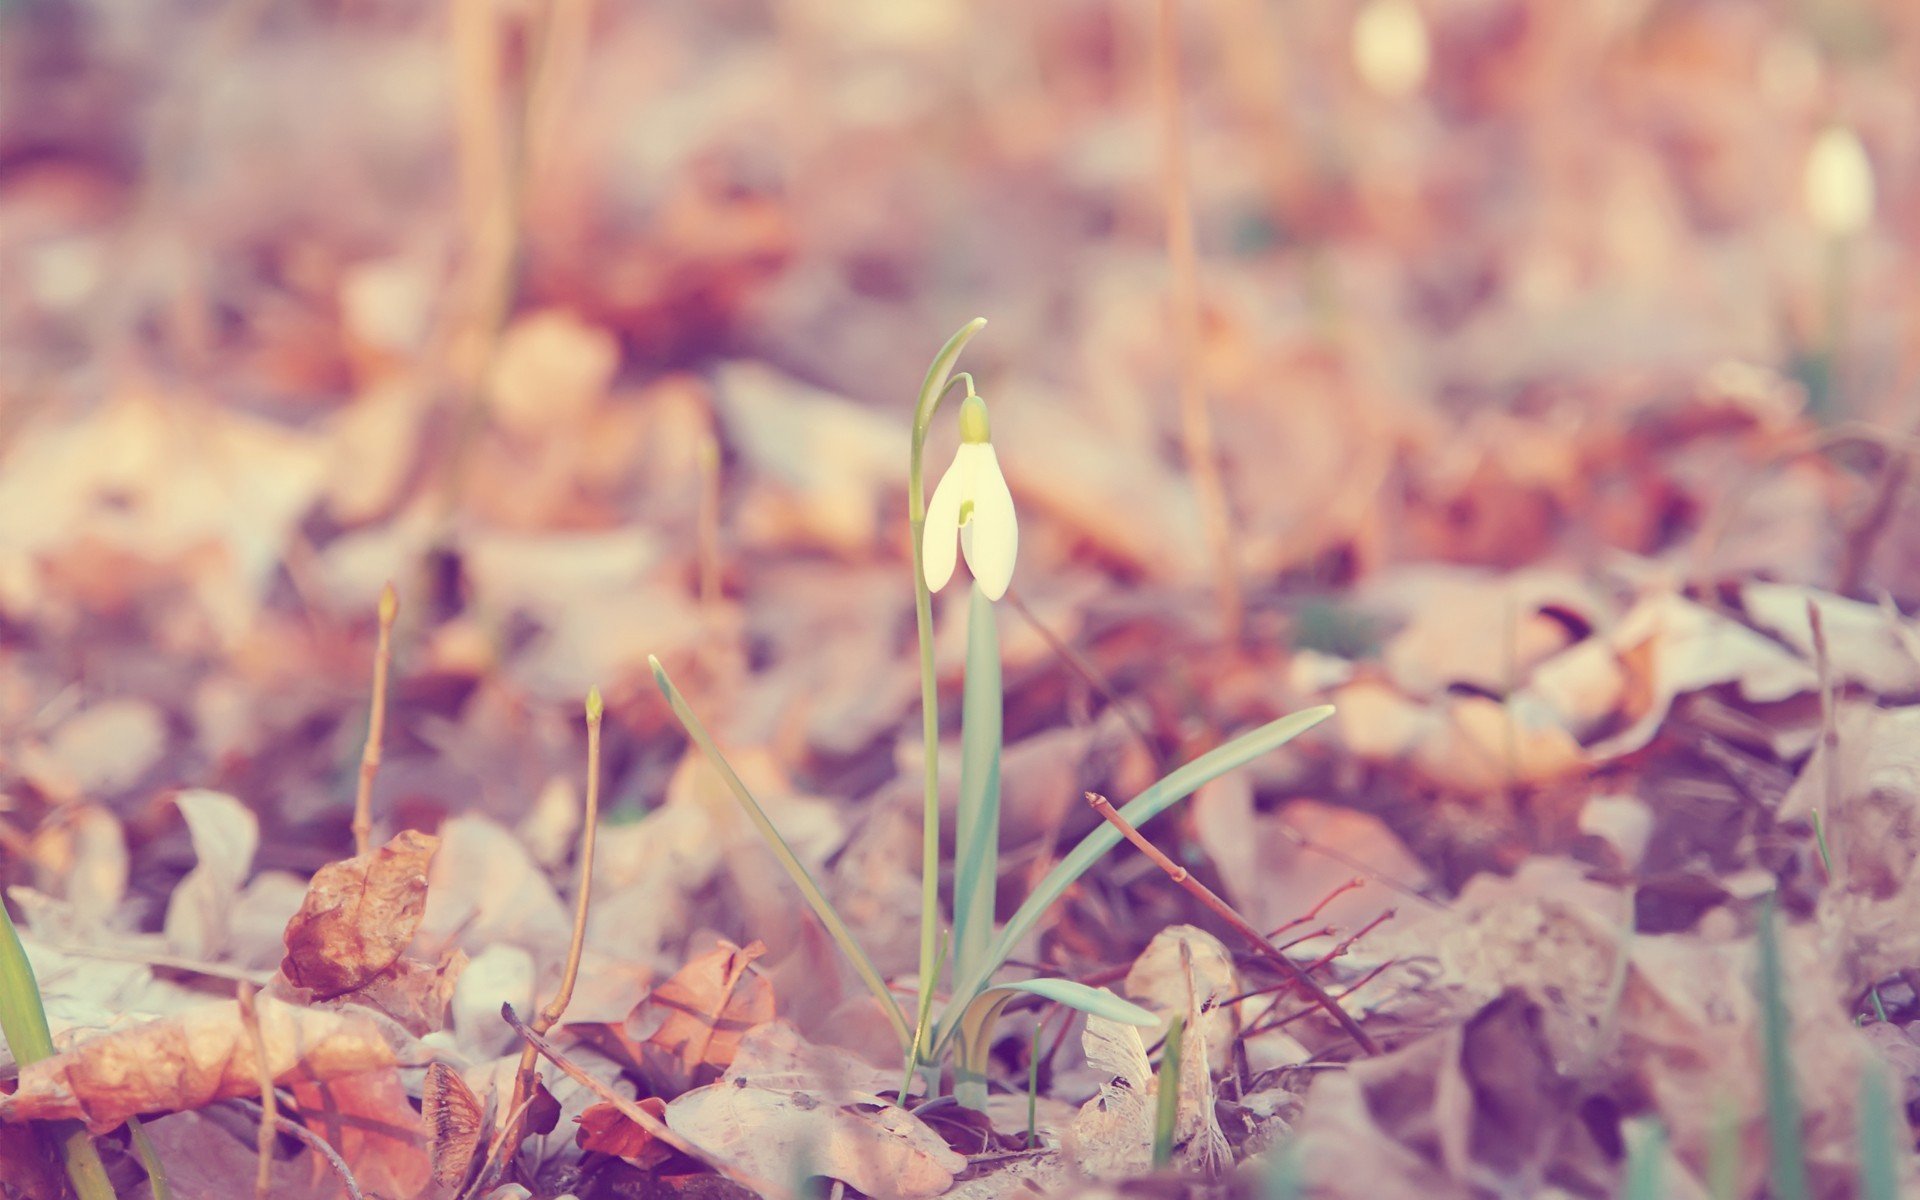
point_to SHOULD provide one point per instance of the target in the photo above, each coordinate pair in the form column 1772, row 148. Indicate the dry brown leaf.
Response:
column 604, row 1129
column 689, row 1027
column 359, row 915
column 190, row 1061
column 367, row 1117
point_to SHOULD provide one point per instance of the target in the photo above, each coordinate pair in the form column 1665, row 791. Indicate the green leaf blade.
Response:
column 977, row 824
column 1162, row 795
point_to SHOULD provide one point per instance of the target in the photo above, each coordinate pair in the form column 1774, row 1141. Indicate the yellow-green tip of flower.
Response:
column 389, row 604
column 596, row 708
column 974, row 427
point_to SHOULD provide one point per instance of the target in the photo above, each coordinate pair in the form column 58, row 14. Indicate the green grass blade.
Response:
column 975, row 1034
column 1787, row 1154
column 817, row 899
column 23, row 1021
column 1879, row 1158
column 976, row 850
column 1167, row 1094
column 1723, row 1151
column 1282, row 1180
column 1174, row 787
column 1646, row 1154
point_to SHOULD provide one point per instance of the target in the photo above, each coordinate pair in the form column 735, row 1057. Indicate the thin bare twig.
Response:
column 1829, row 722
column 376, row 722
column 1339, row 890
column 1196, row 422
column 640, row 1116
column 1220, row 908
column 250, row 1018
column 548, row 1017
column 314, row 1141
column 708, row 540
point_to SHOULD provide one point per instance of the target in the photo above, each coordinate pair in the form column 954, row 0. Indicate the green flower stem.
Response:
column 932, row 388
column 23, row 1020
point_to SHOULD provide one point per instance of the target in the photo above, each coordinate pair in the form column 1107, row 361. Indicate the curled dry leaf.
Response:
column 1114, row 1132
column 191, row 1060
column 689, row 1027
column 604, row 1129
column 358, row 916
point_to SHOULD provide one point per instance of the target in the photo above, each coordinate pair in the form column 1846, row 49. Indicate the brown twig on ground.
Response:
column 314, row 1141
column 376, row 722
column 639, row 1116
column 1338, row 891
column 1196, row 423
column 548, row 1017
column 1220, row 908
column 1829, row 726
column 1308, row 1011
column 708, row 541
column 250, row 1018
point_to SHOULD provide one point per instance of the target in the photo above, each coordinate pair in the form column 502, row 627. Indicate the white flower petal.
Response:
column 995, row 539
column 937, row 548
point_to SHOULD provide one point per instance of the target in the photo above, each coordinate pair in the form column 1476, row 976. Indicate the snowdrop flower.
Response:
column 1839, row 183
column 1390, row 47
column 972, row 504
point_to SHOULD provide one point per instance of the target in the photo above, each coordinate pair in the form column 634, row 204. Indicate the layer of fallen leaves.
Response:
column 1524, row 385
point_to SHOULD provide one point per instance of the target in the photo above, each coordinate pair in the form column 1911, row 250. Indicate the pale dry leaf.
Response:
column 775, row 1055
column 358, row 916
column 1865, row 644
column 688, row 1029
column 484, row 888
column 874, row 1146
column 225, row 834
column 202, row 1158
column 1186, row 971
column 1673, row 646
column 1113, row 1135
column 191, row 1060
column 1273, row 872
column 1872, row 829
column 102, row 749
column 820, row 463
column 80, row 856
column 501, row 974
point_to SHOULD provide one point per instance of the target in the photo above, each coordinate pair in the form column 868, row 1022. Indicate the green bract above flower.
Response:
column 972, row 505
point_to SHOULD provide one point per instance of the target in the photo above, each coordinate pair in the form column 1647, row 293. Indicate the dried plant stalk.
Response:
column 376, row 722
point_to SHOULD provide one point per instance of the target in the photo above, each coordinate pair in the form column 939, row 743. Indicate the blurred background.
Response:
column 596, row 328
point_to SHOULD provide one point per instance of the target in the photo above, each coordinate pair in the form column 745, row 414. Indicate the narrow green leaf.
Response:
column 1879, row 1158
column 1646, row 1152
column 975, row 1030
column 977, row 826
column 1787, row 1154
column 23, row 1021
column 797, row 871
column 1174, row 787
column 1167, row 1098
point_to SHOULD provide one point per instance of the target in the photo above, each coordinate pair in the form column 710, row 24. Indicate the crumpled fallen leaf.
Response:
column 367, row 1117
column 191, row 1060
column 604, row 1129
column 688, row 1029
column 359, row 914
column 765, row 1118
column 1113, row 1135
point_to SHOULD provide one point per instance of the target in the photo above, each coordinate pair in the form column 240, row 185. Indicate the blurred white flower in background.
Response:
column 1839, row 183
column 1390, row 47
